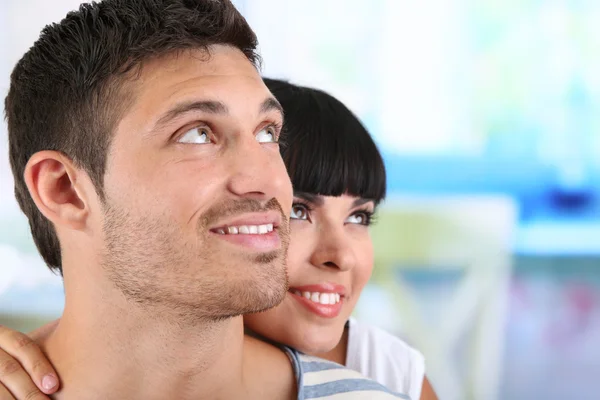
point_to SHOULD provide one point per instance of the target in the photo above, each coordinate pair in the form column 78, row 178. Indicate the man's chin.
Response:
column 268, row 300
column 272, row 304
column 254, row 308
column 268, row 287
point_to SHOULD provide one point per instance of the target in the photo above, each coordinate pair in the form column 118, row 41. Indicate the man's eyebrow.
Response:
column 207, row 106
column 310, row 197
column 211, row 107
column 271, row 104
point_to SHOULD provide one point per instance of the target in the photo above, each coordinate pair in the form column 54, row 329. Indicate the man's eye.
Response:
column 196, row 135
column 266, row 135
column 299, row 211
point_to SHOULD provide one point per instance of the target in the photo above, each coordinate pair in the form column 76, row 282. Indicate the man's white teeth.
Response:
column 321, row 298
column 246, row 229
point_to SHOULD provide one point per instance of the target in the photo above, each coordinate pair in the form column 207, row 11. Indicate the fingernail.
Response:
column 49, row 382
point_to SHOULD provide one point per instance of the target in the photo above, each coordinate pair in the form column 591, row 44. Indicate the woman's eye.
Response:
column 299, row 211
column 266, row 135
column 196, row 135
column 358, row 218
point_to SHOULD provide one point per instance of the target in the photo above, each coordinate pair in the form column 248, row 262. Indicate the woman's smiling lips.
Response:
column 324, row 300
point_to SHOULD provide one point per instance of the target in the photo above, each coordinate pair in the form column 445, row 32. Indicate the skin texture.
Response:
column 306, row 264
column 329, row 246
column 161, row 211
column 194, row 151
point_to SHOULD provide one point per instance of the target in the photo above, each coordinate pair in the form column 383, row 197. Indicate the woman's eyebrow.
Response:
column 360, row 201
column 310, row 197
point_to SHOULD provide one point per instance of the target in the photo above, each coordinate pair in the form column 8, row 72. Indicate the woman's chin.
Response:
column 317, row 345
column 301, row 334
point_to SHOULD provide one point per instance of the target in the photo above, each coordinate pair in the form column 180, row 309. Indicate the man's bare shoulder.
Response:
column 270, row 370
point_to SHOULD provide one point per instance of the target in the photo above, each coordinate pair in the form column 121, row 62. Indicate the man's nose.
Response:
column 257, row 171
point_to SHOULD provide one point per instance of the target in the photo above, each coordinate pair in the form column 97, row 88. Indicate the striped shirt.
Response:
column 321, row 379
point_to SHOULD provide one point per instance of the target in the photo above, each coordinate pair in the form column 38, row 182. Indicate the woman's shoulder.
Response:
column 385, row 358
column 363, row 335
column 318, row 378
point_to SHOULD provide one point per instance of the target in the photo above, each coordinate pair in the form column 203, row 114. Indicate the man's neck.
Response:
column 123, row 351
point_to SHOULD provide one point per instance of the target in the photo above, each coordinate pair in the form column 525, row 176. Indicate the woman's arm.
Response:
column 25, row 372
column 427, row 392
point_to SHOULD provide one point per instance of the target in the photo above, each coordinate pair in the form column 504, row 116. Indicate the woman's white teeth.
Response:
column 246, row 229
column 321, row 298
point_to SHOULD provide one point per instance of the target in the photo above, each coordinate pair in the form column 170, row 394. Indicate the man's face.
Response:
column 197, row 195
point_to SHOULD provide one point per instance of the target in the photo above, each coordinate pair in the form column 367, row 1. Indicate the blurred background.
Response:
column 488, row 115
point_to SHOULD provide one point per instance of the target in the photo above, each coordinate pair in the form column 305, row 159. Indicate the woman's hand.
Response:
column 25, row 372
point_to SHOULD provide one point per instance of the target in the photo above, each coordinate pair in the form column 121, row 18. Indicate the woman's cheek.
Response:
column 299, row 249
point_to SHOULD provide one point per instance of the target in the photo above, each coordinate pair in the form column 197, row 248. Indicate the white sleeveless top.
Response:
column 385, row 358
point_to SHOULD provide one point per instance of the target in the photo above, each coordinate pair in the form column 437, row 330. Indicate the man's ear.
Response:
column 51, row 178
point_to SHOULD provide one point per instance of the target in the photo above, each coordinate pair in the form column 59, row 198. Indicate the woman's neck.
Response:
column 339, row 352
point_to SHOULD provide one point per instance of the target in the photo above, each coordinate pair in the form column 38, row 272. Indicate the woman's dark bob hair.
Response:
column 326, row 150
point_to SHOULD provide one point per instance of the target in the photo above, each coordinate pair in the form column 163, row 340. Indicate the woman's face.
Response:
column 330, row 260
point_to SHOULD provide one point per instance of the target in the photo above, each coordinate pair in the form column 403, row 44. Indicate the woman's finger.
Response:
column 32, row 362
column 5, row 394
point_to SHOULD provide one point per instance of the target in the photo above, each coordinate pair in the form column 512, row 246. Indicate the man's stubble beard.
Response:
column 151, row 263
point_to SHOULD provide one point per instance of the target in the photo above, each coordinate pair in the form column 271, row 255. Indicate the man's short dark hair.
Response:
column 66, row 93
column 325, row 147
